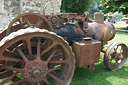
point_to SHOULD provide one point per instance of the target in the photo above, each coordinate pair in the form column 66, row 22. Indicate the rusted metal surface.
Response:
column 13, row 29
column 99, row 17
column 30, row 20
column 70, row 31
column 85, row 21
column 27, row 56
column 102, row 32
column 87, row 52
column 115, row 56
column 54, row 20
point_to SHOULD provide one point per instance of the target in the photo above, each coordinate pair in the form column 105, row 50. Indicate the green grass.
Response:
column 120, row 37
column 101, row 76
column 120, row 25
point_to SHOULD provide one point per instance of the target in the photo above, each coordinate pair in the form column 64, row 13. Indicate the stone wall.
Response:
column 53, row 8
column 3, row 16
column 9, row 9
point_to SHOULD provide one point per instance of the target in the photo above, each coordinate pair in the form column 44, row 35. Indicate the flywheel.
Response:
column 35, row 57
column 26, row 20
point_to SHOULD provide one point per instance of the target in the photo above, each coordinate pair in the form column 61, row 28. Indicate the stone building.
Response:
column 9, row 9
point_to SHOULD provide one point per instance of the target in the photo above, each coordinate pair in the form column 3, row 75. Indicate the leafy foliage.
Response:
column 114, row 5
column 118, row 16
column 76, row 6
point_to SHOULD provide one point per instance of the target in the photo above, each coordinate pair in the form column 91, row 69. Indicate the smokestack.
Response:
column 99, row 17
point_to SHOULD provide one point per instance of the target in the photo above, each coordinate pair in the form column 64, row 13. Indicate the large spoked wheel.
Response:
column 29, row 20
column 35, row 57
column 115, row 56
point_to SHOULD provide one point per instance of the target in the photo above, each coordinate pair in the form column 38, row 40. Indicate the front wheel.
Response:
column 115, row 56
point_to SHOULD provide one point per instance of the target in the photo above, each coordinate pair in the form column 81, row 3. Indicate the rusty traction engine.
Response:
column 43, row 49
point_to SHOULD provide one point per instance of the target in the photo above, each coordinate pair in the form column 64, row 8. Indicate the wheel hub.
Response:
column 118, row 57
column 35, row 71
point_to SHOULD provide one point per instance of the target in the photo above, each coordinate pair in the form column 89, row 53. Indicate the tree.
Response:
column 114, row 5
column 118, row 16
column 76, row 6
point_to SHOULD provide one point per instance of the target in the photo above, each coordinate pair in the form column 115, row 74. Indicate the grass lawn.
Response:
column 101, row 75
column 120, row 25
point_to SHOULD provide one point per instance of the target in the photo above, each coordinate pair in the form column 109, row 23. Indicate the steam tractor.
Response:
column 44, row 49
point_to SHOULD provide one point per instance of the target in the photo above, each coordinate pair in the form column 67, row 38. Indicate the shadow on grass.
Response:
column 101, row 75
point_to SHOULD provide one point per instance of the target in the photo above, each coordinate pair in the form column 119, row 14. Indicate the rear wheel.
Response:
column 29, row 20
column 36, row 57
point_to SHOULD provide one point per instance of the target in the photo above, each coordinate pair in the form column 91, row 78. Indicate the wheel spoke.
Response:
column 11, row 68
column 117, row 47
column 115, row 63
column 8, row 53
column 27, row 21
column 60, row 62
column 18, row 82
column 121, row 57
column 122, row 54
column 21, row 54
column 47, row 49
column 57, row 79
column 6, row 74
column 9, row 78
column 121, row 51
column 38, row 83
column 38, row 24
column 58, row 55
column 32, row 83
column 15, row 79
column 47, row 82
column 29, row 47
column 21, row 24
column 10, row 59
column 38, row 47
column 111, row 60
column 53, row 69
column 46, row 43
column 115, row 50
column 2, row 63
column 50, row 57
column 54, row 73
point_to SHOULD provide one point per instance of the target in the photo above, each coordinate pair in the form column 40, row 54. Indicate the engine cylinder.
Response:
column 102, row 32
